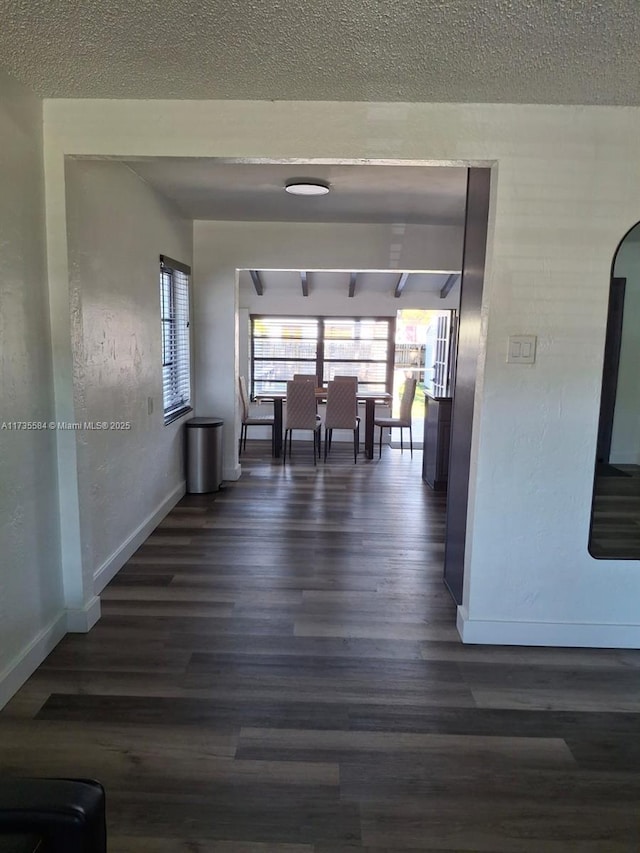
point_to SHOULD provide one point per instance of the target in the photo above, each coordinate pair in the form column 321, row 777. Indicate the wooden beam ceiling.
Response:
column 401, row 284
column 448, row 285
column 257, row 281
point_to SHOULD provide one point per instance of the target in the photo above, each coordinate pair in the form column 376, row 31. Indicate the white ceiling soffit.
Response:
column 338, row 281
column 213, row 189
column 529, row 51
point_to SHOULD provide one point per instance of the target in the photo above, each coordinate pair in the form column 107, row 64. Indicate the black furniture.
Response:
column 52, row 816
column 437, row 434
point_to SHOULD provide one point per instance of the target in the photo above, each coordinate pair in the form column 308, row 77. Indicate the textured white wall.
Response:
column 118, row 226
column 625, row 438
column 566, row 183
column 30, row 581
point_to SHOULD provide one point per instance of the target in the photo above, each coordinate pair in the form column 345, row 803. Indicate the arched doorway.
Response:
column 615, row 517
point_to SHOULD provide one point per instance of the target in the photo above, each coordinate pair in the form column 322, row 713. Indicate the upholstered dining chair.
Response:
column 307, row 377
column 247, row 420
column 354, row 380
column 341, row 413
column 404, row 420
column 301, row 415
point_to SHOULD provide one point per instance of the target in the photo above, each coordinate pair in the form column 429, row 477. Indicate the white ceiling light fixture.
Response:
column 306, row 186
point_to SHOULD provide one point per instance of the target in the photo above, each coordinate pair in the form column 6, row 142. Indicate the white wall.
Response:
column 565, row 189
column 625, row 437
column 31, row 604
column 117, row 228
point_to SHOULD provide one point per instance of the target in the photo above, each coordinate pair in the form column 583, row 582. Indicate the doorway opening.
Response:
column 424, row 351
column 615, row 511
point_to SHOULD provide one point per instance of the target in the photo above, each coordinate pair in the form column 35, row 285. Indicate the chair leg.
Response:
column 401, row 447
column 326, row 443
column 355, row 446
column 240, row 441
column 411, row 442
column 284, row 447
column 380, row 445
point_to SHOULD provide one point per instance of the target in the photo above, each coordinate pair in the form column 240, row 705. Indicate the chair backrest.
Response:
column 352, row 379
column 244, row 397
column 301, row 406
column 305, row 377
column 406, row 401
column 342, row 406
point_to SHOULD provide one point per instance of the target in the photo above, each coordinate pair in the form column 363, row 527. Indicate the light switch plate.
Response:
column 522, row 349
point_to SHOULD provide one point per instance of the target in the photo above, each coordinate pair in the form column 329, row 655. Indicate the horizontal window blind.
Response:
column 176, row 350
column 282, row 346
column 358, row 347
column 321, row 346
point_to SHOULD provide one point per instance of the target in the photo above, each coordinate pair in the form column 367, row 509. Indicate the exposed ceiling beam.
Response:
column 257, row 281
column 352, row 284
column 448, row 285
column 401, row 284
column 305, row 283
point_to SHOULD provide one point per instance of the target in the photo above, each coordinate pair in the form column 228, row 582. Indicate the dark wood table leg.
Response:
column 369, row 417
column 276, row 442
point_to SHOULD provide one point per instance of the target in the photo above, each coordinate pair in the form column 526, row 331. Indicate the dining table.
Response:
column 369, row 398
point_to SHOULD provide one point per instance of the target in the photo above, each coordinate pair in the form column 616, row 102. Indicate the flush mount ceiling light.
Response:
column 306, row 186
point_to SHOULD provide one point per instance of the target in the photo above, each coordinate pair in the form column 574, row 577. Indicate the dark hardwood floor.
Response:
column 615, row 531
column 277, row 670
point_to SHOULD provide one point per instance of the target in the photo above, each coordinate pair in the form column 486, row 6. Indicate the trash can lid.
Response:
column 204, row 422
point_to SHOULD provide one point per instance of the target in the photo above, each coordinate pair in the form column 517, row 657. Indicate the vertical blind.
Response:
column 176, row 354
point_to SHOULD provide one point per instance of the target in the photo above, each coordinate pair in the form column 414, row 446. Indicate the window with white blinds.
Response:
column 322, row 346
column 280, row 347
column 176, row 351
column 361, row 347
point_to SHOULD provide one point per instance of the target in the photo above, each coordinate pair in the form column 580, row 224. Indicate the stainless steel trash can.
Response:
column 204, row 455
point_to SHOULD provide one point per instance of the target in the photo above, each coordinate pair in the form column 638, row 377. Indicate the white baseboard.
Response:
column 565, row 634
column 232, row 473
column 29, row 659
column 112, row 565
column 81, row 621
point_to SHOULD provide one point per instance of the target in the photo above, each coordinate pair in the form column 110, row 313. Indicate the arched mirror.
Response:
column 615, row 515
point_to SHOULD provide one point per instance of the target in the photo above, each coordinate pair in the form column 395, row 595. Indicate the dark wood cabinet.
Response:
column 437, row 433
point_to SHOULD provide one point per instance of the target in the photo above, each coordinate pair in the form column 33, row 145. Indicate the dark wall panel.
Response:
column 475, row 245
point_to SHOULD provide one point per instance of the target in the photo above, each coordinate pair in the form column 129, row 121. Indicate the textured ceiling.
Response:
column 213, row 189
column 517, row 51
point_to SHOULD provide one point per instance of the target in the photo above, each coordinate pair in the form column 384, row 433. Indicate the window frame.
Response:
column 178, row 370
column 320, row 358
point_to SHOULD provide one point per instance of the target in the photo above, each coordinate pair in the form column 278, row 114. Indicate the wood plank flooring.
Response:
column 277, row 670
column 615, row 532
